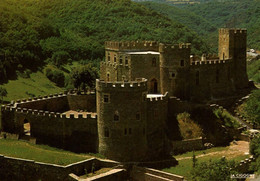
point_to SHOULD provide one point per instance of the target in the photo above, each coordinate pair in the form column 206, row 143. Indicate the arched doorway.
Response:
column 154, row 86
column 27, row 127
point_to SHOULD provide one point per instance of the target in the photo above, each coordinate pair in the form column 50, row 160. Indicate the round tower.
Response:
column 174, row 69
column 121, row 110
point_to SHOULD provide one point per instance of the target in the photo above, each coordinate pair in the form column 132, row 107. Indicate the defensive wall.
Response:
column 24, row 170
column 50, row 125
column 132, row 45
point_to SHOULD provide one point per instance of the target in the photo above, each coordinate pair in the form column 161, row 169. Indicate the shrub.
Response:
column 55, row 76
column 227, row 119
column 213, row 170
column 188, row 128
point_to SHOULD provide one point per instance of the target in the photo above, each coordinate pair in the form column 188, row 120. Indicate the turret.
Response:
column 121, row 110
column 232, row 45
column 174, row 69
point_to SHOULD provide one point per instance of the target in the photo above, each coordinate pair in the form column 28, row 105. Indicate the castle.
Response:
column 140, row 85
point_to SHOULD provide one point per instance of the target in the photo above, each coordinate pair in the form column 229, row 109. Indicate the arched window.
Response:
column 126, row 60
column 182, row 63
column 120, row 60
column 197, row 78
column 116, row 116
column 106, row 132
column 114, row 58
column 108, row 57
column 154, row 62
column 108, row 76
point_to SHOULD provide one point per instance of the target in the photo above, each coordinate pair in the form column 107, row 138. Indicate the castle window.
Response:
column 126, row 60
column 116, row 116
column 138, row 116
column 217, row 76
column 173, row 75
column 154, row 62
column 108, row 76
column 120, row 60
column 182, row 63
column 197, row 78
column 144, row 96
column 130, row 131
column 115, row 59
column 108, row 57
column 106, row 98
column 125, row 131
column 106, row 132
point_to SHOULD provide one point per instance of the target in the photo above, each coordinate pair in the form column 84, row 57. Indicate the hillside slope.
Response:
column 206, row 18
column 62, row 31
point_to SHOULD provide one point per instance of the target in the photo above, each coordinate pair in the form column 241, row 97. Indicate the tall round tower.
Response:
column 121, row 110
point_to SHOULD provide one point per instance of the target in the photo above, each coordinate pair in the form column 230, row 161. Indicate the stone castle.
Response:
column 140, row 88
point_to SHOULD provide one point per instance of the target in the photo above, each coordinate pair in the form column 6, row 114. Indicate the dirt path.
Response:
column 241, row 148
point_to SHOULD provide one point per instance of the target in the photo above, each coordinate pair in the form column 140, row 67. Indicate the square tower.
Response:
column 232, row 45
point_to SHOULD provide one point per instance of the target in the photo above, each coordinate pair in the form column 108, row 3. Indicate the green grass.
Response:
column 253, row 70
column 40, row 153
column 37, row 84
column 200, row 152
column 185, row 165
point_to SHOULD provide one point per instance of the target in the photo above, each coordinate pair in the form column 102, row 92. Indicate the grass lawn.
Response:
column 185, row 160
column 37, row 84
column 40, row 153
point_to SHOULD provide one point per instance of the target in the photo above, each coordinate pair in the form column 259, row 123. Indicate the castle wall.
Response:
column 157, row 110
column 74, row 132
column 121, row 112
column 47, row 103
column 132, row 46
column 86, row 102
column 210, row 79
column 232, row 45
column 24, row 170
column 147, row 66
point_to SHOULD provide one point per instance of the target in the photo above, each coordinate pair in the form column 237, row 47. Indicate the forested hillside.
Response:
column 206, row 18
column 61, row 31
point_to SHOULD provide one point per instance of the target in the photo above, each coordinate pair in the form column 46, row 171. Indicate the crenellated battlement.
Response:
column 232, row 30
column 172, row 47
column 131, row 45
column 48, row 113
column 142, row 83
column 209, row 62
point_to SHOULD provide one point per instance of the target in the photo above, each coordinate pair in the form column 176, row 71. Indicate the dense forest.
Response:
column 33, row 33
column 206, row 18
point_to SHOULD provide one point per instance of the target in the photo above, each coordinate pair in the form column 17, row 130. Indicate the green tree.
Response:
column 3, row 93
column 213, row 170
column 252, row 107
column 84, row 76
column 255, row 150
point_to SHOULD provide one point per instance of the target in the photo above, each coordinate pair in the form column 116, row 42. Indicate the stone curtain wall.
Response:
column 148, row 174
column 49, row 126
column 86, row 102
column 24, row 170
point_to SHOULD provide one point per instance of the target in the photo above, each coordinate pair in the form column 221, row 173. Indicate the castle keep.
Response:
column 127, row 118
